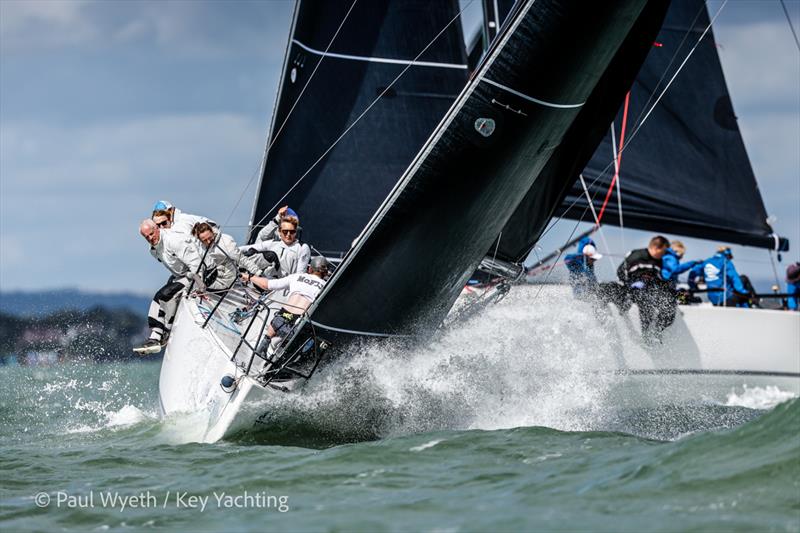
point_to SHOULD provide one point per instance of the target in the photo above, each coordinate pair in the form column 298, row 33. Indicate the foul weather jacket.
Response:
column 719, row 273
column 177, row 252
column 639, row 265
column 581, row 270
column 671, row 266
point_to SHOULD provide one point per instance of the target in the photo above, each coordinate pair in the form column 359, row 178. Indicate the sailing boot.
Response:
column 153, row 345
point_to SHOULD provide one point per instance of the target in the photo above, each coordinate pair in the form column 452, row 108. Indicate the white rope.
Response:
column 356, row 121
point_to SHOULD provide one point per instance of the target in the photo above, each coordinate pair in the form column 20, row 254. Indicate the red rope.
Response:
column 619, row 158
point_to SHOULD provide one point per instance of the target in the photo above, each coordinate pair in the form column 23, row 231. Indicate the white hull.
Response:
column 195, row 360
column 708, row 354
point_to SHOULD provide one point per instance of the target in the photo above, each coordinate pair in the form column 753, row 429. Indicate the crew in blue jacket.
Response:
column 580, row 266
column 671, row 266
column 719, row 273
column 793, row 285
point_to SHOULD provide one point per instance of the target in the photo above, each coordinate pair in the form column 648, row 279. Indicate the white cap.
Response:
column 591, row 251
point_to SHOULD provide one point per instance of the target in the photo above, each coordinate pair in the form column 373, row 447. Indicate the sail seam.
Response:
column 531, row 98
column 378, row 59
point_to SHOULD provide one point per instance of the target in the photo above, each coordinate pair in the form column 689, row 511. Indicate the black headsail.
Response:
column 431, row 232
column 686, row 172
column 378, row 39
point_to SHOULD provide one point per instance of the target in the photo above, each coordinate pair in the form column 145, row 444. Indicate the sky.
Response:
column 106, row 107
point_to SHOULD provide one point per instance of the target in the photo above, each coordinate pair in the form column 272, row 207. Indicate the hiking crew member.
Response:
column 223, row 257
column 641, row 273
column 719, row 273
column 671, row 266
column 580, row 266
column 270, row 231
column 303, row 290
column 178, row 253
column 167, row 216
column 292, row 255
column 793, row 286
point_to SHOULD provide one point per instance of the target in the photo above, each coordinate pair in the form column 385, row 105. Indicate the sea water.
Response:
column 460, row 435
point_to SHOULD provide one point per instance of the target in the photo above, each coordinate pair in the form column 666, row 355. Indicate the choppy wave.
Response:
column 516, row 365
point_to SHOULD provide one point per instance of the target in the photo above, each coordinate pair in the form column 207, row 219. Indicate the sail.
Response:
column 432, row 231
column 376, row 42
column 686, row 171
column 543, row 199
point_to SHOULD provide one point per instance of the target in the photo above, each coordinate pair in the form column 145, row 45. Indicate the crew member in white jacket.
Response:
column 222, row 258
column 303, row 289
column 270, row 231
column 292, row 254
column 178, row 253
column 167, row 216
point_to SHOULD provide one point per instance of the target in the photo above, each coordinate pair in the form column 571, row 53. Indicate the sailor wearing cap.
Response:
column 580, row 266
column 167, row 216
column 303, row 290
column 293, row 256
column 270, row 231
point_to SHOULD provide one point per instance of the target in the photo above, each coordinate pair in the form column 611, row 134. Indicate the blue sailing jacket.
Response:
column 581, row 269
column 716, row 270
column 671, row 266
column 794, row 290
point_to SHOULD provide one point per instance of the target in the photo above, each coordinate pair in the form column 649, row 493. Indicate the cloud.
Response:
column 44, row 24
column 71, row 198
column 762, row 60
column 190, row 28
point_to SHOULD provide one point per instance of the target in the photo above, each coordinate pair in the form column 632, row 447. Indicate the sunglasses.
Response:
column 163, row 224
column 288, row 231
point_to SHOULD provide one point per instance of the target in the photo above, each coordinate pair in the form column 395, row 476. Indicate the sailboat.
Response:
column 409, row 206
column 684, row 171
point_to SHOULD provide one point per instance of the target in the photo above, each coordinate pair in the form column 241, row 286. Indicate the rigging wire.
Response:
column 791, row 26
column 294, row 105
column 596, row 218
column 363, row 113
column 671, row 61
column 672, row 79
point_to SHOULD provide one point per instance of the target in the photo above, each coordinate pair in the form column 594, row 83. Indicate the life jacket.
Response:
column 639, row 265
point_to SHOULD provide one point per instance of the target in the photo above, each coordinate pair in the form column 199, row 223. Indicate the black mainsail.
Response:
column 686, row 171
column 491, row 147
column 379, row 38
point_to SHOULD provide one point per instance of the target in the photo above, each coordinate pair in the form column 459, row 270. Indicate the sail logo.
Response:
column 485, row 126
column 711, row 272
